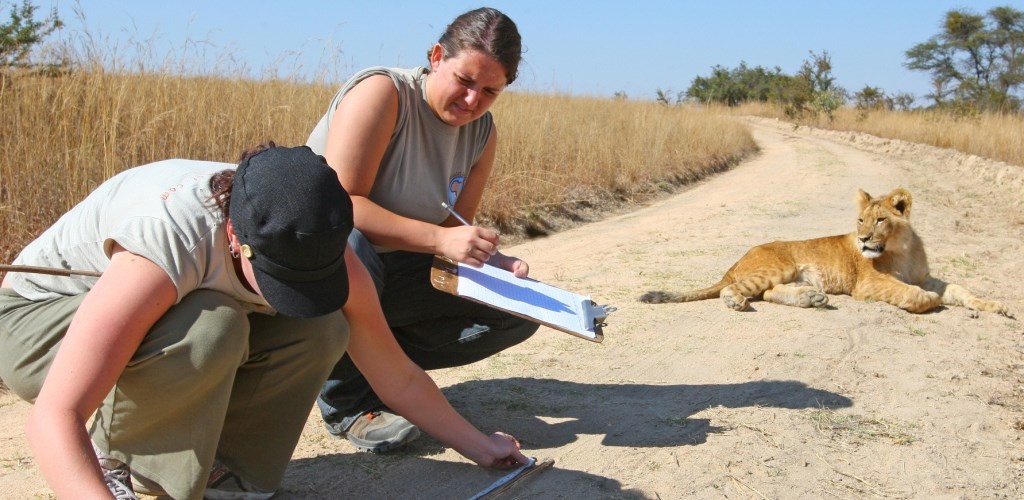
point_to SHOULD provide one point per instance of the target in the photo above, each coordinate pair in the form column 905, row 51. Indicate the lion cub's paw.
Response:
column 813, row 298
column 975, row 304
column 736, row 302
column 998, row 307
column 922, row 302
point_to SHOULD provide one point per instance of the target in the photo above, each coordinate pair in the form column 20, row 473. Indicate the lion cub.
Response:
column 882, row 260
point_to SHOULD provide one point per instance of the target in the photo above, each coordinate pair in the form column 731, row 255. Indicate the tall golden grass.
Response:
column 61, row 135
column 558, row 153
column 996, row 136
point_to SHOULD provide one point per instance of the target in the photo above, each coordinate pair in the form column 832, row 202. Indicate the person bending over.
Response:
column 226, row 296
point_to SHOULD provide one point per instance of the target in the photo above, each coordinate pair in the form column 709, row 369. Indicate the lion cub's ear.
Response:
column 899, row 199
column 863, row 200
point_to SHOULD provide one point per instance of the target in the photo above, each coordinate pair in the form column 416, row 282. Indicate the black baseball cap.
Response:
column 292, row 218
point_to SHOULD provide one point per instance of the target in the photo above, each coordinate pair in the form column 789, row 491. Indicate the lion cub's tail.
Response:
column 660, row 297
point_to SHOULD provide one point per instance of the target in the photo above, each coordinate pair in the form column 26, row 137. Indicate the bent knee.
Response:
column 325, row 338
column 209, row 325
column 503, row 334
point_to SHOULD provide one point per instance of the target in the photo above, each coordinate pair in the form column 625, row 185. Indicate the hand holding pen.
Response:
column 516, row 266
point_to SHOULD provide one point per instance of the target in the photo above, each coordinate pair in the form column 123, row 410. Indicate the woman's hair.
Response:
column 221, row 182
column 489, row 31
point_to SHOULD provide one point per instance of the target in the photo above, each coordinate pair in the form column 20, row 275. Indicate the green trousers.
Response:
column 209, row 382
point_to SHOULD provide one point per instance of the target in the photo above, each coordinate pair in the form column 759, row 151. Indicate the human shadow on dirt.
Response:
column 549, row 413
column 411, row 473
column 544, row 414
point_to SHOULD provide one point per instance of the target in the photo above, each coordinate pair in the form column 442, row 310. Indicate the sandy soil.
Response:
column 698, row 401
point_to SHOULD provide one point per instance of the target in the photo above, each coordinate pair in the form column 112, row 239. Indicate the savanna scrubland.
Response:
column 560, row 159
column 698, row 401
column 611, row 197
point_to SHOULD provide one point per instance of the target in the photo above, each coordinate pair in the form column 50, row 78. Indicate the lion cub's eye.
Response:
column 860, row 221
column 879, row 220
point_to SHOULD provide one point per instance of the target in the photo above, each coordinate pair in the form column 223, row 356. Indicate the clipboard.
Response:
column 524, row 297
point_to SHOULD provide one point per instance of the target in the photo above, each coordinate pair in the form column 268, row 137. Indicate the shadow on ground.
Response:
column 405, row 476
column 633, row 415
column 545, row 414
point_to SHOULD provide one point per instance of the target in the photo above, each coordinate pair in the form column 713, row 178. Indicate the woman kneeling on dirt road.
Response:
column 225, row 298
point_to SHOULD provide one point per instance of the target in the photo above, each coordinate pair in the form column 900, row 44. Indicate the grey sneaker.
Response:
column 376, row 431
column 225, row 485
column 117, row 475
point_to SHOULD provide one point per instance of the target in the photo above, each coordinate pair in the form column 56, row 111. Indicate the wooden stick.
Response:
column 10, row 268
column 537, row 468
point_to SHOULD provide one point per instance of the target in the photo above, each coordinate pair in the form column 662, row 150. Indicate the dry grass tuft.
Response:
column 859, row 427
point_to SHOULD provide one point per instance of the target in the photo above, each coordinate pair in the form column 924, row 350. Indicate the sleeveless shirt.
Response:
column 162, row 211
column 427, row 161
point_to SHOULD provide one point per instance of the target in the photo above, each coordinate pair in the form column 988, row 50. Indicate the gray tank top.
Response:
column 427, row 161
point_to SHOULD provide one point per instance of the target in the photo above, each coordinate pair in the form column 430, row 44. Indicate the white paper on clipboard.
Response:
column 549, row 305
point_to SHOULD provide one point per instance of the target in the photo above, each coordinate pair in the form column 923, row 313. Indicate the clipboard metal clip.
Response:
column 599, row 313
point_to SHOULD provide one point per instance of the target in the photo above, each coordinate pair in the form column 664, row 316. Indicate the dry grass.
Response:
column 559, row 154
column 61, row 135
column 989, row 135
column 861, row 428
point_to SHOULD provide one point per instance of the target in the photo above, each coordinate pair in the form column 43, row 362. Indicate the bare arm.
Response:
column 405, row 387
column 114, row 317
column 359, row 135
column 469, row 202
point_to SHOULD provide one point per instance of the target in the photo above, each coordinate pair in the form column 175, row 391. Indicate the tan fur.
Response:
column 883, row 260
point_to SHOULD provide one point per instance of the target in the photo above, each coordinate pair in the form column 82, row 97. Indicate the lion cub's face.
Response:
column 881, row 221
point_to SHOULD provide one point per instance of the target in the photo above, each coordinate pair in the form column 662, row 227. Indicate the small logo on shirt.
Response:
column 181, row 186
column 455, row 187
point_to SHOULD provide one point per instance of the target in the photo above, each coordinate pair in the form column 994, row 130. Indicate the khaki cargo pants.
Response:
column 209, row 381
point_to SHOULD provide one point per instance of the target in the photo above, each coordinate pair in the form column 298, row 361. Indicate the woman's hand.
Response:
column 404, row 386
column 503, row 453
column 514, row 265
column 472, row 245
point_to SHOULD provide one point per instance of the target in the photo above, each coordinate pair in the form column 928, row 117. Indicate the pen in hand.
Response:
column 455, row 214
column 500, row 256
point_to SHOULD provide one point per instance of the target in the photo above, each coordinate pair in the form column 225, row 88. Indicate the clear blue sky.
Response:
column 580, row 47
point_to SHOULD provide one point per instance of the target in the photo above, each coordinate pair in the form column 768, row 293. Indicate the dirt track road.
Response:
column 698, row 401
